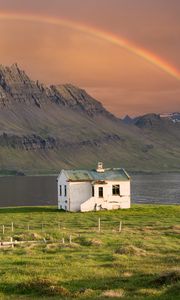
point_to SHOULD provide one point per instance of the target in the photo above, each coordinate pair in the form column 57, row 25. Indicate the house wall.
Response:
column 109, row 201
column 79, row 193
column 63, row 202
column 107, row 188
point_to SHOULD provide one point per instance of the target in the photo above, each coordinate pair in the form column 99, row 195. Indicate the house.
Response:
column 87, row 190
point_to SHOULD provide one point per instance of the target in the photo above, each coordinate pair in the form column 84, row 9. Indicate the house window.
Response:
column 60, row 190
column 65, row 191
column 116, row 190
column 93, row 191
column 100, row 192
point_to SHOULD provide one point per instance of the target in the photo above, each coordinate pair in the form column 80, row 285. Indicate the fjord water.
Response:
column 163, row 188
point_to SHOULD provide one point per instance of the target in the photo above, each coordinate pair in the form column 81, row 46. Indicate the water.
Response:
column 161, row 188
column 28, row 191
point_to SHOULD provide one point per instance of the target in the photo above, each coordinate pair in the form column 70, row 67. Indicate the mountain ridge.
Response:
column 46, row 128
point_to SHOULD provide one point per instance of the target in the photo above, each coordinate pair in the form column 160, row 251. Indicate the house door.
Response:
column 100, row 192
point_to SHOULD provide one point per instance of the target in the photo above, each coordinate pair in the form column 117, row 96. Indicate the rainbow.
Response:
column 106, row 36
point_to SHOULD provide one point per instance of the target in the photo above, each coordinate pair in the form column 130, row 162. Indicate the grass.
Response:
column 140, row 262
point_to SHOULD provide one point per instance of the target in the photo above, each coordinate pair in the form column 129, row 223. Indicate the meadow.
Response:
column 90, row 255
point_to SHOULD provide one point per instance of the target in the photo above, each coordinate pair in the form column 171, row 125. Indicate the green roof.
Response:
column 93, row 175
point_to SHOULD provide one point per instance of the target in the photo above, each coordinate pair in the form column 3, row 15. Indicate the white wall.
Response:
column 109, row 201
column 79, row 193
column 107, row 188
column 62, row 199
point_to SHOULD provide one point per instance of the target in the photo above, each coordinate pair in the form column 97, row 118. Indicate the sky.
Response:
column 125, row 53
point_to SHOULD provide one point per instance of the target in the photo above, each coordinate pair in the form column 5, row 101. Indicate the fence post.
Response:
column 99, row 225
column 63, row 240
column 42, row 227
column 12, row 226
column 11, row 240
column 70, row 239
column 120, row 226
column 28, row 227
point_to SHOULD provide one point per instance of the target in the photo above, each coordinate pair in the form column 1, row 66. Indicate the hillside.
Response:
column 44, row 129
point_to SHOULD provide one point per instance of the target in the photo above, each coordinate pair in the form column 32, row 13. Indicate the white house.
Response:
column 87, row 190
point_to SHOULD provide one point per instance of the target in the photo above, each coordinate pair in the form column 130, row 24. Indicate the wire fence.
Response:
column 76, row 226
column 66, row 231
column 97, row 225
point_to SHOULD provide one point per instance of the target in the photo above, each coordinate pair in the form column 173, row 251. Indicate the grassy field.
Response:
column 140, row 262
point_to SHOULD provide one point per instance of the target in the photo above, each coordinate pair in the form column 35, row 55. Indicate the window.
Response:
column 116, row 190
column 60, row 190
column 100, row 192
column 65, row 191
column 93, row 191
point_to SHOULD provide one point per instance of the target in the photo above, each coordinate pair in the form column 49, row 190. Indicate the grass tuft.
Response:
column 167, row 278
column 131, row 250
column 42, row 286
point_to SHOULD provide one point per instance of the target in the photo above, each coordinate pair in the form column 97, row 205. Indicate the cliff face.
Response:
column 44, row 129
column 76, row 98
column 16, row 86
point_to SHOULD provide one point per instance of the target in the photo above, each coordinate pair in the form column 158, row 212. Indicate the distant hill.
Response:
column 175, row 117
column 46, row 128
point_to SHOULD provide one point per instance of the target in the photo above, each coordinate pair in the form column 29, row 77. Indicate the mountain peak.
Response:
column 16, row 86
column 127, row 120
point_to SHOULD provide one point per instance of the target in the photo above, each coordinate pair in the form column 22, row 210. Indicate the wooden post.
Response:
column 63, row 240
column 120, row 226
column 28, row 227
column 3, row 229
column 99, row 225
column 11, row 240
column 12, row 226
column 70, row 239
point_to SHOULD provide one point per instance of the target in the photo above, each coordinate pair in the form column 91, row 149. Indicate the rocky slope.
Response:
column 44, row 129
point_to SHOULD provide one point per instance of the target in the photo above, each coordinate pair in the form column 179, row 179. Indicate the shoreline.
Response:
column 134, row 172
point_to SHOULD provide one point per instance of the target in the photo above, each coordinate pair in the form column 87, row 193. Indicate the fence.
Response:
column 61, row 230
column 98, row 225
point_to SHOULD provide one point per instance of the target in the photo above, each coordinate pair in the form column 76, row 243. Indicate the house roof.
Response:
column 92, row 175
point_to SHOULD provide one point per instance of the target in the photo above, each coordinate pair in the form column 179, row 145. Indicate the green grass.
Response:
column 140, row 262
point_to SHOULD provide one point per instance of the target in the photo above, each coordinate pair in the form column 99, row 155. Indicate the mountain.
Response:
column 174, row 117
column 46, row 128
column 149, row 121
column 128, row 120
column 157, row 120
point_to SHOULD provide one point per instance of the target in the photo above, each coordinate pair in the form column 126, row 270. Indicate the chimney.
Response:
column 100, row 168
